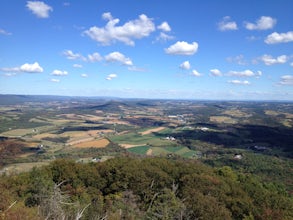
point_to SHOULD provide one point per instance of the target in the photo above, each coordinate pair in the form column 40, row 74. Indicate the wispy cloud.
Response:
column 55, row 80
column 136, row 69
column 244, row 73
column 239, row 59
column 286, row 80
column 111, row 76
column 59, row 73
column 4, row 32
column 164, row 37
column 73, row 56
column 95, row 57
column 76, row 65
column 239, row 82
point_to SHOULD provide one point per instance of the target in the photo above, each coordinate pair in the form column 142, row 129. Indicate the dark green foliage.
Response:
column 151, row 188
column 56, row 139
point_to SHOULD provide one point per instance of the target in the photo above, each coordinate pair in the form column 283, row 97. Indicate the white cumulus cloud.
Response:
column 182, row 48
column 84, row 75
column 269, row 60
column 111, row 76
column 263, row 23
column 164, row 27
column 25, row 68
column 59, row 73
column 226, row 24
column 126, row 33
column 118, row 57
column 216, row 72
column 287, row 80
column 239, row 82
column 31, row 68
column 196, row 73
column 185, row 65
column 40, row 9
column 276, row 38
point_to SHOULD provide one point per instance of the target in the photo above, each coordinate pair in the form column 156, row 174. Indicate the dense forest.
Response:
column 140, row 188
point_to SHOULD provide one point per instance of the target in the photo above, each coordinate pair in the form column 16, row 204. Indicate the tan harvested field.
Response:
column 236, row 113
column 82, row 117
column 93, row 143
column 287, row 123
column 117, row 121
column 94, row 132
column 149, row 152
column 130, row 145
column 288, row 115
column 223, row 119
column 272, row 113
column 44, row 135
column 275, row 113
column 31, row 144
column 152, row 130
column 82, row 136
column 80, row 140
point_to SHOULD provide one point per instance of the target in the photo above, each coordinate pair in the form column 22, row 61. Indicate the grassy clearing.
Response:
column 177, row 150
column 236, row 113
column 223, row 119
column 139, row 150
column 18, row 132
column 41, row 130
column 134, row 138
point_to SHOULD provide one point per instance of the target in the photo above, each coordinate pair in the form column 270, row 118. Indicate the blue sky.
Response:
column 187, row 49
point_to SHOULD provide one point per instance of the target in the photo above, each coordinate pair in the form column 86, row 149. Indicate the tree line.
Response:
column 140, row 188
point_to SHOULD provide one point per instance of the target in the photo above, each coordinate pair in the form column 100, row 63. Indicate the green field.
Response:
column 163, row 151
column 139, row 150
column 178, row 150
column 135, row 138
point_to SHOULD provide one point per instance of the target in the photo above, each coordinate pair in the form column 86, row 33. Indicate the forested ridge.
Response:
column 140, row 188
